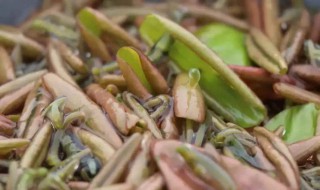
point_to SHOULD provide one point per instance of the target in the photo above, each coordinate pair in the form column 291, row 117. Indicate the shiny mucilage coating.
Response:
column 186, row 94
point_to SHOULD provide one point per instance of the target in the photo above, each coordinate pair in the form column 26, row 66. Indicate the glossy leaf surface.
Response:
column 226, row 41
column 300, row 122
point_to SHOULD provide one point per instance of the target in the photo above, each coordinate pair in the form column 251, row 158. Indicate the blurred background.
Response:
column 14, row 12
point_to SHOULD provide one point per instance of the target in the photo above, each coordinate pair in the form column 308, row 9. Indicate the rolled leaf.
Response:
column 141, row 76
column 7, row 145
column 95, row 44
column 263, row 52
column 13, row 101
column 277, row 152
column 57, row 65
column 99, row 147
column 114, row 169
column 175, row 171
column 123, row 119
column 30, row 49
column 6, row 67
column 31, row 119
column 302, row 150
column 94, row 25
column 212, row 172
column 20, row 82
column 295, row 93
column 272, row 28
column 70, row 57
column 38, row 145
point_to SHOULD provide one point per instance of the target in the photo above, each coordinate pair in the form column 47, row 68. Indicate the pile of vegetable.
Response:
column 125, row 95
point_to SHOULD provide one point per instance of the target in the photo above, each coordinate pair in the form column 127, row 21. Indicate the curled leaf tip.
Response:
column 194, row 77
column 53, row 112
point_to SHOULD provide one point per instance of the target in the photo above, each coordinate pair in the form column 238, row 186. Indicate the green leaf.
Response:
column 226, row 41
column 131, row 57
column 300, row 122
column 97, row 23
column 91, row 31
column 89, row 21
column 239, row 103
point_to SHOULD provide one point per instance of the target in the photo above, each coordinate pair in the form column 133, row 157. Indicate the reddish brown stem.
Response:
column 271, row 27
column 248, row 73
column 296, row 94
column 259, row 75
column 264, row 92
